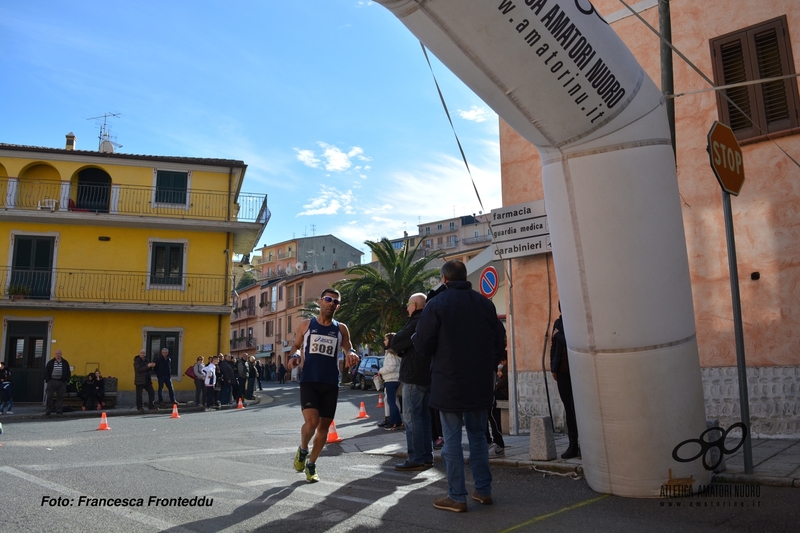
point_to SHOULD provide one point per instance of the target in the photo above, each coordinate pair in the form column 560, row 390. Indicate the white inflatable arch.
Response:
column 560, row 76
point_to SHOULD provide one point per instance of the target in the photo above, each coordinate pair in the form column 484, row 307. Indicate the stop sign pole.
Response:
column 728, row 166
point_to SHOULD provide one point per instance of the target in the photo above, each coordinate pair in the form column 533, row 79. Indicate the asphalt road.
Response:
column 53, row 474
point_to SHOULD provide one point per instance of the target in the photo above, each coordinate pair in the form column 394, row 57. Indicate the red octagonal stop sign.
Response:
column 726, row 158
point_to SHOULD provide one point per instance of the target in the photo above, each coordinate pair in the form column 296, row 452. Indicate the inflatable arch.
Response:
column 560, row 76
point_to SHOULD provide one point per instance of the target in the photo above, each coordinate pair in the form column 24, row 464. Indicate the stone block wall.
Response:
column 774, row 394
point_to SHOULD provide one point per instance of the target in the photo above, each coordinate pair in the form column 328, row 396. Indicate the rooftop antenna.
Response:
column 106, row 145
column 313, row 229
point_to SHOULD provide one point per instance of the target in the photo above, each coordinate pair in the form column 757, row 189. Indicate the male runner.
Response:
column 316, row 350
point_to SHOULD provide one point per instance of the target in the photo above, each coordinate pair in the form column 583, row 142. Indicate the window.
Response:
column 269, row 328
column 290, row 295
column 289, row 324
column 171, row 187
column 476, row 233
column 269, row 257
column 334, row 250
column 452, row 226
column 439, row 240
column 428, row 243
column 758, row 52
column 280, row 293
column 166, row 263
column 438, row 226
column 452, row 239
column 428, row 230
column 32, row 266
column 397, row 245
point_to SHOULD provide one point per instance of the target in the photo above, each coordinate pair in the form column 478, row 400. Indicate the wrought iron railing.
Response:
column 109, row 286
column 63, row 196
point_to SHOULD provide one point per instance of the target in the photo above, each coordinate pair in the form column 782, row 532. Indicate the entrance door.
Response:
column 24, row 356
column 94, row 190
column 32, row 266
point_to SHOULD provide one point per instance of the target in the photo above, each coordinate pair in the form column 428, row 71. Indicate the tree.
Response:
column 374, row 300
column 248, row 278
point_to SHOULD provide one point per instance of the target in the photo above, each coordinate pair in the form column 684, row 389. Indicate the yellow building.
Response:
column 109, row 253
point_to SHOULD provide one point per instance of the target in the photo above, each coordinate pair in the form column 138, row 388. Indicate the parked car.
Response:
column 369, row 366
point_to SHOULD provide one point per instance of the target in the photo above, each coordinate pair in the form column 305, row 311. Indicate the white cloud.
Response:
column 476, row 114
column 308, row 158
column 329, row 201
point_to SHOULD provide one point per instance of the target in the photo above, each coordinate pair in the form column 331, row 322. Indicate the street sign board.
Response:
column 489, row 282
column 520, row 230
column 726, row 158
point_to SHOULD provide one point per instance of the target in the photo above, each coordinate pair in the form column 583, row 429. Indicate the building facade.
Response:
column 306, row 254
column 756, row 40
column 112, row 253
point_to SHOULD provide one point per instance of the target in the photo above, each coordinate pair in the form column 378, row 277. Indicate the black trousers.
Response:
column 150, row 393
column 565, row 391
column 496, row 434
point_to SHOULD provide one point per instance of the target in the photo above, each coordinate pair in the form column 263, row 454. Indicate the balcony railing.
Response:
column 109, row 286
column 476, row 240
column 286, row 255
column 64, row 196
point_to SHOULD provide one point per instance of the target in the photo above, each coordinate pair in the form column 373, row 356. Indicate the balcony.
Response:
column 286, row 255
column 58, row 197
column 122, row 288
column 476, row 240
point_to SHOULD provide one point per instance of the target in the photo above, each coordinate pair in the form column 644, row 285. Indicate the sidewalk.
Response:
column 34, row 411
column 776, row 462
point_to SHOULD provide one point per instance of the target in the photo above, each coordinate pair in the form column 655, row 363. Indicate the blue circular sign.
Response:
column 489, row 282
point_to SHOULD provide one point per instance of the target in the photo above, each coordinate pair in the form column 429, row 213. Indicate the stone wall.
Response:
column 774, row 394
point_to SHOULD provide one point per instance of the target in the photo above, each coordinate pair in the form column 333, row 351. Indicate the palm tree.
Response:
column 374, row 299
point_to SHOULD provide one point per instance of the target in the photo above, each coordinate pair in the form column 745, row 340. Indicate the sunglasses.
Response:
column 329, row 300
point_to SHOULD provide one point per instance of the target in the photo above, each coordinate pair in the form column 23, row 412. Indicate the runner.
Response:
column 316, row 349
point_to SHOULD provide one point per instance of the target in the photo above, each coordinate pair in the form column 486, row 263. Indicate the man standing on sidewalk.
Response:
column 164, row 374
column 460, row 331
column 56, row 376
column 415, row 375
column 142, row 380
column 316, row 348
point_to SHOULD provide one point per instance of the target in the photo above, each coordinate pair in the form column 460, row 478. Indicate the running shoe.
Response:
column 311, row 473
column 300, row 459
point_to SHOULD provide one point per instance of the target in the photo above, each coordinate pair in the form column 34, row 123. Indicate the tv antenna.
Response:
column 106, row 145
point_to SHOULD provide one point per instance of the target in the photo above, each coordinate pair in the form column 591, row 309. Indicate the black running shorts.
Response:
column 319, row 396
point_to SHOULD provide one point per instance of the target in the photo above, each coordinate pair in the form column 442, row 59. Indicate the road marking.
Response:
column 550, row 515
column 124, row 512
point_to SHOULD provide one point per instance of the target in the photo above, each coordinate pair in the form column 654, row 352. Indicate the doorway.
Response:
column 25, row 353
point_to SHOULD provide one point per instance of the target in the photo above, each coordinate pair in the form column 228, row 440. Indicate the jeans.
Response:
column 453, row 455
column 199, row 391
column 417, row 417
column 209, row 397
column 251, row 384
column 168, row 383
column 391, row 401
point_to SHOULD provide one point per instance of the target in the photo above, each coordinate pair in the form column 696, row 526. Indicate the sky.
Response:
column 330, row 103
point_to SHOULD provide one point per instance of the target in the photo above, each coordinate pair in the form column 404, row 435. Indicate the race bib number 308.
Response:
column 322, row 345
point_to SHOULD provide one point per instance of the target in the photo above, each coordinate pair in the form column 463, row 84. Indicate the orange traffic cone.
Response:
column 103, row 423
column 241, row 405
column 363, row 412
column 175, row 411
column 333, row 436
column 380, row 401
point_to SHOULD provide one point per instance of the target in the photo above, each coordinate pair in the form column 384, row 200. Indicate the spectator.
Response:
column 100, row 389
column 494, row 434
column 163, row 368
column 259, row 372
column 390, row 374
column 199, row 382
column 89, row 394
column 56, row 375
column 6, row 401
column 143, row 381
column 252, row 374
column 242, row 373
column 460, row 331
column 282, row 374
column 210, row 380
column 228, row 379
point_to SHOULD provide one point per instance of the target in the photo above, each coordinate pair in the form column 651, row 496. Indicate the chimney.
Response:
column 70, row 141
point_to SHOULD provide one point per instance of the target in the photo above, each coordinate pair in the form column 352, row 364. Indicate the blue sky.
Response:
column 330, row 103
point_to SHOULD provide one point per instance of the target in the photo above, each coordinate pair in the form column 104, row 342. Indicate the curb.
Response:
column 126, row 411
column 755, row 479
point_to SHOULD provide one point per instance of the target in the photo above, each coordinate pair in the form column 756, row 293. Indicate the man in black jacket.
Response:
column 559, row 366
column 415, row 374
column 56, row 376
column 460, row 331
column 163, row 370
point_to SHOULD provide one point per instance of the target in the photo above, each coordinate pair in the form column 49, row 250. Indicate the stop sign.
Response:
column 726, row 158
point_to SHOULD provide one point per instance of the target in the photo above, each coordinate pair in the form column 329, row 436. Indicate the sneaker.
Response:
column 407, row 466
column 311, row 473
column 9, row 412
column 496, row 451
column 393, row 427
column 449, row 505
column 438, row 444
column 483, row 500
column 300, row 459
